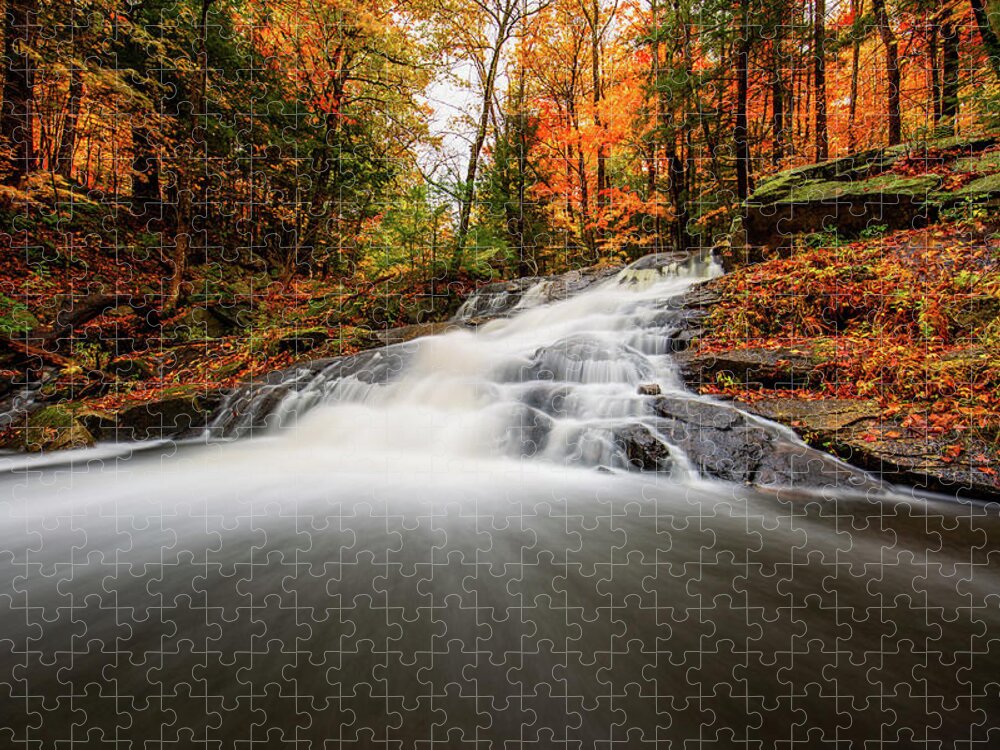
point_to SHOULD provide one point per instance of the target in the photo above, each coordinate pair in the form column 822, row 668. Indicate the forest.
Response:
column 197, row 192
column 296, row 137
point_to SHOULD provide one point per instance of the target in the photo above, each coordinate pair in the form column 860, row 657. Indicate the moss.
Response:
column 987, row 163
column 840, row 177
column 984, row 187
column 55, row 428
column 888, row 184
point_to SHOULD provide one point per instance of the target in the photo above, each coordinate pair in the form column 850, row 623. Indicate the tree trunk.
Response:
column 777, row 100
column 67, row 140
column 468, row 191
column 595, row 74
column 895, row 122
column 990, row 41
column 742, row 147
column 678, row 196
column 857, row 8
column 67, row 143
column 184, row 222
column 17, row 113
column 145, row 168
column 819, row 57
column 932, row 59
column 182, row 244
column 949, row 78
column 652, row 175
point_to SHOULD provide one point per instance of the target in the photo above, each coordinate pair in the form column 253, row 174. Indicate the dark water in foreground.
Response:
column 551, row 608
column 431, row 557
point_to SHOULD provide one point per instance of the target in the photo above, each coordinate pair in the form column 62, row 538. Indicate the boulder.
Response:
column 642, row 449
column 501, row 298
column 169, row 416
column 48, row 429
column 408, row 333
column 771, row 368
column 855, row 192
column 724, row 443
column 209, row 321
column 856, row 432
column 302, row 341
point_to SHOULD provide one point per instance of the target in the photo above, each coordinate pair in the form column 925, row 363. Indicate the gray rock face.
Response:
column 724, row 443
column 167, row 417
column 857, row 431
column 500, row 299
column 772, row 368
column 252, row 406
column 642, row 449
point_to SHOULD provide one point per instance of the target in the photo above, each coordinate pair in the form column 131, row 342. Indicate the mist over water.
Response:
column 449, row 545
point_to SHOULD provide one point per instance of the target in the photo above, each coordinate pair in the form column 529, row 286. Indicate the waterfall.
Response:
column 573, row 371
column 551, row 380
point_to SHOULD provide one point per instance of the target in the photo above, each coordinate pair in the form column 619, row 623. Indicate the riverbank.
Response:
column 884, row 351
column 877, row 345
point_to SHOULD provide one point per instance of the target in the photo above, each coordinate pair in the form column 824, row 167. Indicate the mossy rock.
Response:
column 846, row 169
column 100, row 423
column 860, row 167
column 987, row 163
column 980, row 189
column 301, row 341
column 209, row 322
column 174, row 413
column 884, row 188
column 54, row 428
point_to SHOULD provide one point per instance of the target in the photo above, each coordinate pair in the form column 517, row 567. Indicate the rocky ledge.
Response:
column 896, row 188
column 853, row 430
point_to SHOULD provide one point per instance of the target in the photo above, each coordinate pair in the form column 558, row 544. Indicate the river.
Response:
column 448, row 542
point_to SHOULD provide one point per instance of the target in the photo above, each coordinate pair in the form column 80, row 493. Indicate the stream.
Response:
column 523, row 533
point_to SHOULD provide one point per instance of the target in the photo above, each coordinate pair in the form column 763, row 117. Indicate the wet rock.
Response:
column 495, row 300
column 856, row 432
column 580, row 359
column 100, row 423
column 251, row 406
column 648, row 389
column 642, row 449
column 821, row 415
column 48, row 429
column 302, row 341
column 501, row 298
column 171, row 416
column 408, row 333
column 772, row 368
column 724, row 443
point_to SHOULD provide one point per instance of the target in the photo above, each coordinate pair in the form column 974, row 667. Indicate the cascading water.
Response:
column 447, row 540
column 552, row 381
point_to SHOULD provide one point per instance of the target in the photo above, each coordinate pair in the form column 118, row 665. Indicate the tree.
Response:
column 740, row 134
column 949, row 78
column 819, row 57
column 68, row 136
column 895, row 122
column 991, row 43
column 17, row 113
column 481, row 40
